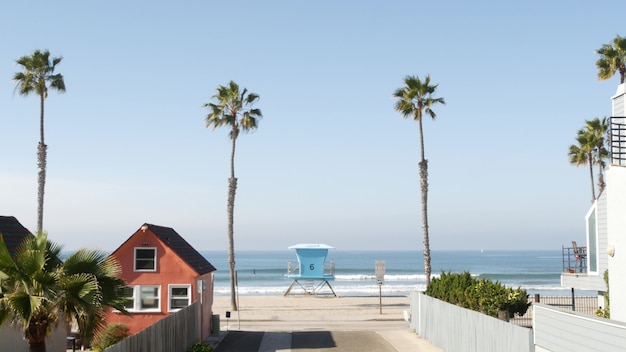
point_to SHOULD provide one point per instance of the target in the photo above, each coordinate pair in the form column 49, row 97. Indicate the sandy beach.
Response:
column 301, row 312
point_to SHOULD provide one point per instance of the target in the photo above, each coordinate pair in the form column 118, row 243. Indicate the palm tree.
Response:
column 233, row 108
column 582, row 154
column 612, row 59
column 415, row 99
column 37, row 288
column 596, row 131
column 38, row 76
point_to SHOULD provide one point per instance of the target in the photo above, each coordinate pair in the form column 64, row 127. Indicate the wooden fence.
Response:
column 456, row 329
column 174, row 333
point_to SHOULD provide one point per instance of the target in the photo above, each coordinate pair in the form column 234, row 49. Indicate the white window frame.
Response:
column 171, row 296
column 136, row 297
column 593, row 251
column 155, row 259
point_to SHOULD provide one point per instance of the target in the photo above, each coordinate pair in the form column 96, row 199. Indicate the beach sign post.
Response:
column 379, row 271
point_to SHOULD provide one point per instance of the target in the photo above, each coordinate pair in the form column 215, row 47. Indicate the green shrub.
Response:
column 606, row 312
column 109, row 336
column 200, row 347
column 483, row 295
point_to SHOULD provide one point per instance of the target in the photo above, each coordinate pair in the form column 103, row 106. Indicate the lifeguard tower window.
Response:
column 311, row 267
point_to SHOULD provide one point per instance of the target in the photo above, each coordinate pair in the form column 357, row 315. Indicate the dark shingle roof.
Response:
column 184, row 250
column 13, row 233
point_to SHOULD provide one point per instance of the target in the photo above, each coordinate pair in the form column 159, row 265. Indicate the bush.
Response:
column 109, row 336
column 200, row 347
column 482, row 295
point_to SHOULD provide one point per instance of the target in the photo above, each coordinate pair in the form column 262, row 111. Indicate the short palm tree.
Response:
column 414, row 100
column 582, row 154
column 37, row 288
column 37, row 77
column 596, row 131
column 233, row 108
column 612, row 59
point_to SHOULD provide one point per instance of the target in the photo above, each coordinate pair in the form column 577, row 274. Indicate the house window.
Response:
column 149, row 297
column 127, row 293
column 592, row 238
column 142, row 298
column 145, row 259
column 180, row 296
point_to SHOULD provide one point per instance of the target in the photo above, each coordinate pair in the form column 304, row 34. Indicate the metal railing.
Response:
column 574, row 262
column 583, row 304
column 617, row 140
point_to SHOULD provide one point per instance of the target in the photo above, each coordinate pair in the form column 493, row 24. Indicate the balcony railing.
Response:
column 574, row 260
column 617, row 140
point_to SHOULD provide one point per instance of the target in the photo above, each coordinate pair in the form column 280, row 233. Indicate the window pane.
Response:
column 178, row 303
column 179, row 291
column 145, row 258
column 149, row 291
column 592, row 251
column 145, row 253
column 127, row 293
column 144, row 264
column 149, row 297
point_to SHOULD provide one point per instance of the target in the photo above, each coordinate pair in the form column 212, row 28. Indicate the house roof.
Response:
column 182, row 248
column 13, row 233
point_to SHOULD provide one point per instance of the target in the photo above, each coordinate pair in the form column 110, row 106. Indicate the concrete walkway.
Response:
column 309, row 323
column 340, row 341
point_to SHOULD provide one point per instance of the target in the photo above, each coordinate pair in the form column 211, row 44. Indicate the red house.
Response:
column 163, row 274
column 12, row 232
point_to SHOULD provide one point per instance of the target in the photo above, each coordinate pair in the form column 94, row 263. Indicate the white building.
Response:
column 606, row 224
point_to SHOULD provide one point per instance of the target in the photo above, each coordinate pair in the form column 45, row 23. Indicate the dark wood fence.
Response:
column 174, row 333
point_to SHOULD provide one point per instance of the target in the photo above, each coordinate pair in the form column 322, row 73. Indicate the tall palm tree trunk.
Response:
column 232, row 188
column 593, row 188
column 41, row 163
column 423, row 165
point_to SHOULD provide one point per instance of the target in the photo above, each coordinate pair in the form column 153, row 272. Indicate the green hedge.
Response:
column 111, row 335
column 483, row 295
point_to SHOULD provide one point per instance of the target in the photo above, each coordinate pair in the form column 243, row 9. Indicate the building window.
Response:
column 592, row 241
column 180, row 296
column 142, row 298
column 128, row 293
column 145, row 259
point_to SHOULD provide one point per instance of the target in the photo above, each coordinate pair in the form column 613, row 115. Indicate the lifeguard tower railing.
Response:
column 312, row 272
column 617, row 140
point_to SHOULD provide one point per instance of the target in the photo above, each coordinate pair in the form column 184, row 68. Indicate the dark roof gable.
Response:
column 13, row 233
column 184, row 250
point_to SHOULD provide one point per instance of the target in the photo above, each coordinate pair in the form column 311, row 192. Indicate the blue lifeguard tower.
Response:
column 311, row 268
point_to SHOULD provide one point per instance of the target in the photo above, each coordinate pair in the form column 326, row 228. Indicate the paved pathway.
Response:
column 337, row 341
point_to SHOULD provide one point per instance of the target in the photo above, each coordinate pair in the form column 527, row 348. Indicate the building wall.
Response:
column 170, row 269
column 616, row 187
column 560, row 331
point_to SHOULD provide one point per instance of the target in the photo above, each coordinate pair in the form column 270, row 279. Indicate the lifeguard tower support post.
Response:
column 311, row 267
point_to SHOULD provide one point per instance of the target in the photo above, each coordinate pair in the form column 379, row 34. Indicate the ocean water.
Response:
column 265, row 272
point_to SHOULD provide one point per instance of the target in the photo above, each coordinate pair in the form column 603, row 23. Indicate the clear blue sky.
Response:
column 332, row 161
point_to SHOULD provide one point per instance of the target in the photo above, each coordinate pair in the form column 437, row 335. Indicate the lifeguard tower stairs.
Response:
column 311, row 273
